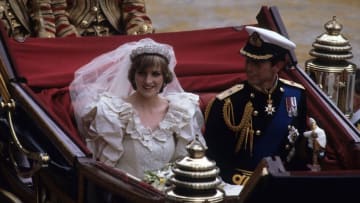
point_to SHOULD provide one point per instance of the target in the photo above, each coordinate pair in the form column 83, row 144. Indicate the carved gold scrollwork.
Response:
column 39, row 159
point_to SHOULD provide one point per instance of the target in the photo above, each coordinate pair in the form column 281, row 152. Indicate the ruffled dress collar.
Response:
column 180, row 111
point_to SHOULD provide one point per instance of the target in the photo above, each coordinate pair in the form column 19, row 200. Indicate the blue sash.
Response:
column 277, row 130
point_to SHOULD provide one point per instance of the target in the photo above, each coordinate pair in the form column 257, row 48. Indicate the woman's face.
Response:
column 149, row 81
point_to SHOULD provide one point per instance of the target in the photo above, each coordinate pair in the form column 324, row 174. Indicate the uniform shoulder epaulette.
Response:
column 292, row 83
column 230, row 91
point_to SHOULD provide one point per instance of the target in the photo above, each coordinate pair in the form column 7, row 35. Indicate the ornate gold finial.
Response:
column 332, row 45
column 196, row 149
column 333, row 27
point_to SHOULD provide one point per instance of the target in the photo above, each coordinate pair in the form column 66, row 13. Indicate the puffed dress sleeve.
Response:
column 104, row 127
column 188, row 120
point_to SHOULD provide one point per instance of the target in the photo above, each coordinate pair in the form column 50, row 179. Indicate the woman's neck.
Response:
column 145, row 103
column 150, row 110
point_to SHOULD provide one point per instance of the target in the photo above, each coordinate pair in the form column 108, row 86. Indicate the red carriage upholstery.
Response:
column 208, row 62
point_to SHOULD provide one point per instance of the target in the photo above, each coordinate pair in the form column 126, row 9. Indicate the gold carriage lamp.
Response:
column 330, row 68
column 196, row 178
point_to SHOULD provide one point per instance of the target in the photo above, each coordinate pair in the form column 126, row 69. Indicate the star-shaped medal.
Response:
column 269, row 109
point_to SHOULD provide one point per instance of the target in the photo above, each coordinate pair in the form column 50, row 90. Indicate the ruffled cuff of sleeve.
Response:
column 105, row 132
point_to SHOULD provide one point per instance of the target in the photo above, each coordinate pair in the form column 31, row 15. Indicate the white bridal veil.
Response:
column 108, row 74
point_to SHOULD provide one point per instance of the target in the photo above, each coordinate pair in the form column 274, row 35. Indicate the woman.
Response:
column 131, row 109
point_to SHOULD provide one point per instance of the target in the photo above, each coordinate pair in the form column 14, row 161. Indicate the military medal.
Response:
column 269, row 109
column 291, row 106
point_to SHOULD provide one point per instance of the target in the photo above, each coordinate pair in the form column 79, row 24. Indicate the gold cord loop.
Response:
column 245, row 126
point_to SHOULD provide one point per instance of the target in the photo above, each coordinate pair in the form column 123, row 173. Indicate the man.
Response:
column 69, row 18
column 109, row 17
column 263, row 116
column 15, row 18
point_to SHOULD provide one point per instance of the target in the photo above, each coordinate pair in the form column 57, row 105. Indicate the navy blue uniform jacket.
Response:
column 270, row 131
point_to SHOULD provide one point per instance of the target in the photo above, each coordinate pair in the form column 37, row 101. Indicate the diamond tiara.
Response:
column 151, row 49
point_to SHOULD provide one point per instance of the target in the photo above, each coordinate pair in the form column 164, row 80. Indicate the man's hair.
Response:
column 278, row 58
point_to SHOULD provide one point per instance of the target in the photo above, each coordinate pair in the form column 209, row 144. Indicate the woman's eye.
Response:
column 156, row 73
column 140, row 73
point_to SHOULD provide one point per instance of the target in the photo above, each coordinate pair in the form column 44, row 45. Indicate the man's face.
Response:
column 260, row 73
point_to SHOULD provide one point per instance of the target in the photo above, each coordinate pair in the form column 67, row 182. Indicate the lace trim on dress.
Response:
column 181, row 110
column 114, row 118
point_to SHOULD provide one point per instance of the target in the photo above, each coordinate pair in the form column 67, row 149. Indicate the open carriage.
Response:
column 43, row 157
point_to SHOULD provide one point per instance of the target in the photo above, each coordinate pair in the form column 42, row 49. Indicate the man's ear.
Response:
column 279, row 65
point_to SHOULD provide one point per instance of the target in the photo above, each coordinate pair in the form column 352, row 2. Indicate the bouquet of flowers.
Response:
column 159, row 178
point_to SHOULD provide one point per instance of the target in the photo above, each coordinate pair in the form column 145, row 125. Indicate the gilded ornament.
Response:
column 255, row 40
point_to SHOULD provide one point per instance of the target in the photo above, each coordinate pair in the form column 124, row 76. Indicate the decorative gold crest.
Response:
column 255, row 40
